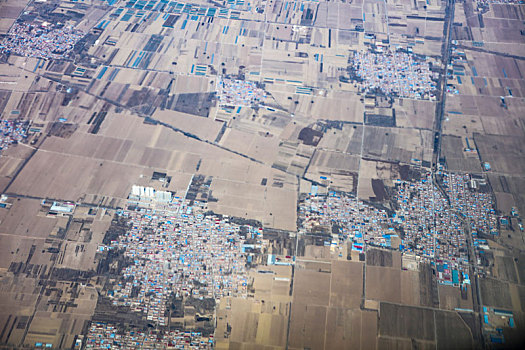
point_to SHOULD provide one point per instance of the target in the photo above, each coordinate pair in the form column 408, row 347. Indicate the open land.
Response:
column 262, row 175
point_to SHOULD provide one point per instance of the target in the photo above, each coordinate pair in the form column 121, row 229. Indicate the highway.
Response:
column 440, row 107
column 438, row 128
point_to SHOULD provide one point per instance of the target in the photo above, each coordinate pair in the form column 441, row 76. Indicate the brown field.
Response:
column 392, row 285
column 26, row 259
column 452, row 148
column 325, row 308
column 54, row 175
column 451, row 297
column 419, row 322
column 261, row 147
column 350, row 329
column 504, row 153
column 9, row 11
column 504, row 202
column 343, row 329
column 463, row 125
column 377, row 257
column 44, row 328
column 520, row 265
column 495, row 293
column 347, row 139
column 512, row 186
column 205, row 128
column 415, row 114
column 260, row 322
column 257, row 164
column 346, row 284
column 307, row 326
column 78, row 256
column 517, row 296
column 107, row 164
column 506, row 269
column 387, row 343
column 22, row 220
column 312, row 287
column 317, row 252
column 452, row 332
column 397, row 144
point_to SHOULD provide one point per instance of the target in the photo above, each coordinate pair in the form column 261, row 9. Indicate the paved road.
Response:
column 440, row 108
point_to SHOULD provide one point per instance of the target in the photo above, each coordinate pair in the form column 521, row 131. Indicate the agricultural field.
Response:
column 263, row 174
